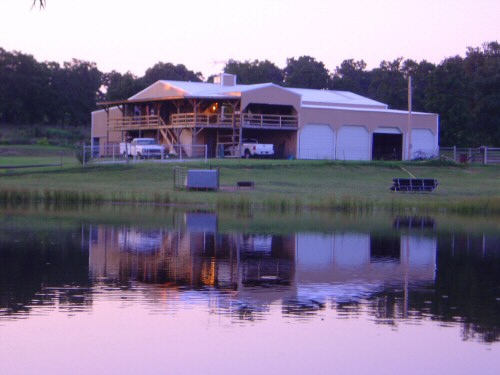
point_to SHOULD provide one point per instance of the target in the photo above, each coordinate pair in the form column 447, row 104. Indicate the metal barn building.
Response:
column 300, row 123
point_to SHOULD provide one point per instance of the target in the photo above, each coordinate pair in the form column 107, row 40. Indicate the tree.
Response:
column 421, row 74
column 41, row 93
column 169, row 71
column 119, row 87
column 482, row 66
column 466, row 92
column 255, row 71
column 351, row 76
column 389, row 85
column 41, row 3
column 23, row 88
column 76, row 89
column 306, row 72
column 450, row 96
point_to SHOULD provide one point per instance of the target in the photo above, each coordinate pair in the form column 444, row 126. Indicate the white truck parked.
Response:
column 252, row 148
column 142, row 148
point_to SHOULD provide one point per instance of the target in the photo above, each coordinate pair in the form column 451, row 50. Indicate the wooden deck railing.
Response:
column 135, row 122
column 199, row 120
column 270, row 121
column 249, row 120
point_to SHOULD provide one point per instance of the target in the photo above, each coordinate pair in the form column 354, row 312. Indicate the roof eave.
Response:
column 113, row 103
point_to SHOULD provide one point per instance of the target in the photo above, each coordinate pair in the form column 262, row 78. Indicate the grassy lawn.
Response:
column 279, row 184
column 20, row 155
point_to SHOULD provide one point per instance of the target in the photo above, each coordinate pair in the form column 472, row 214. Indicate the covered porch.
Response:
column 193, row 113
column 176, row 122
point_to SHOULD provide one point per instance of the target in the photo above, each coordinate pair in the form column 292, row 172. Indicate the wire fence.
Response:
column 180, row 177
column 110, row 153
column 478, row 155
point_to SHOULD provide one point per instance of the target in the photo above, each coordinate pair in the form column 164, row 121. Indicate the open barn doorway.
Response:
column 387, row 146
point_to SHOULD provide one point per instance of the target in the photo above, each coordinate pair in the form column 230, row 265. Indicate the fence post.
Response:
column 455, row 153
column 83, row 156
column 206, row 153
column 485, row 159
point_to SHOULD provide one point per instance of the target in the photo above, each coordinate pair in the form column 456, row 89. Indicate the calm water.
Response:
column 171, row 292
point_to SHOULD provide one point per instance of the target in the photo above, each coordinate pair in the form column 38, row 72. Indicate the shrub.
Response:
column 42, row 142
column 83, row 154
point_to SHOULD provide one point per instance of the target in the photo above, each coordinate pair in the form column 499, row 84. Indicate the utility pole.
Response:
column 409, row 118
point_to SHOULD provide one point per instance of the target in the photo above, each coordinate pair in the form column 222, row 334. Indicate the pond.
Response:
column 128, row 290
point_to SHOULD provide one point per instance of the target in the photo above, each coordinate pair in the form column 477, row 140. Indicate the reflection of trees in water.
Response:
column 246, row 312
column 348, row 310
column 302, row 307
column 33, row 261
column 467, row 284
column 394, row 304
column 465, row 290
column 471, row 331
column 49, row 268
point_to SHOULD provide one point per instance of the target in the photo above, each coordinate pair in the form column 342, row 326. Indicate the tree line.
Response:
column 464, row 91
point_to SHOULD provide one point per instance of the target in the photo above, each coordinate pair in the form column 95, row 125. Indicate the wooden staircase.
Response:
column 228, row 139
column 172, row 140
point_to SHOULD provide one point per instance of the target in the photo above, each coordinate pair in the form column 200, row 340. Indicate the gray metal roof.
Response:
column 336, row 98
column 164, row 89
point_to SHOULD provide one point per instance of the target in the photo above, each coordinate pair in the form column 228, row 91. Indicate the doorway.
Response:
column 387, row 146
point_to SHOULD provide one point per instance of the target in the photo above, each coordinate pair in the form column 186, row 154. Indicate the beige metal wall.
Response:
column 100, row 128
column 271, row 94
column 372, row 120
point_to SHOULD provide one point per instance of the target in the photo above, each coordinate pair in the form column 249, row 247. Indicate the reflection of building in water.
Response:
column 266, row 269
column 192, row 255
column 161, row 255
column 140, row 240
column 266, row 260
column 300, row 267
column 414, row 222
column 351, row 265
column 390, row 275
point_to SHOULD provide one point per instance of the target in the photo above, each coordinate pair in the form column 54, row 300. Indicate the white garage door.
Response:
column 422, row 141
column 316, row 142
column 353, row 143
column 314, row 251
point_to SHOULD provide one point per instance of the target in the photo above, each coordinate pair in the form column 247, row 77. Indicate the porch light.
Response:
column 214, row 107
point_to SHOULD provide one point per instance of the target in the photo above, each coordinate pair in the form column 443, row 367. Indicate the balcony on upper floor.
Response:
column 135, row 122
column 264, row 121
column 211, row 120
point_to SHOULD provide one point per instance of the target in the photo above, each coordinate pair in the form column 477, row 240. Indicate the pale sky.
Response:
column 133, row 35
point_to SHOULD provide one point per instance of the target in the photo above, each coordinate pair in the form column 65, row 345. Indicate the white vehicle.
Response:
column 251, row 148
column 137, row 240
column 142, row 148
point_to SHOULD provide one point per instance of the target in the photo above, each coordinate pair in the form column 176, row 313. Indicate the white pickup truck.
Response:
column 252, row 148
column 142, row 148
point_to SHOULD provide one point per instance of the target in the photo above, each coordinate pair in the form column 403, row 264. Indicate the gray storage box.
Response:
column 202, row 179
